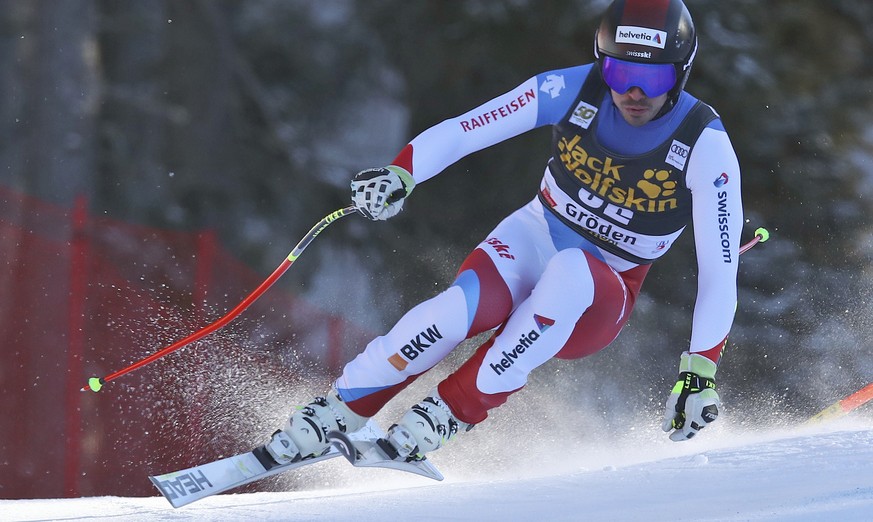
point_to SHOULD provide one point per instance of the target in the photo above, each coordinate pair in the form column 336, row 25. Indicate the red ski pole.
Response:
column 96, row 383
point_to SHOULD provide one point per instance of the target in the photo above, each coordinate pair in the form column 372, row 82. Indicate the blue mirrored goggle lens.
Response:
column 653, row 78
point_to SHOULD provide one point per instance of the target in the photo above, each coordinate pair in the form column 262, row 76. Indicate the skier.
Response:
column 635, row 158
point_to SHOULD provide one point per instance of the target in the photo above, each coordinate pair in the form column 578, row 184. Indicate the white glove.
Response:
column 693, row 403
column 379, row 193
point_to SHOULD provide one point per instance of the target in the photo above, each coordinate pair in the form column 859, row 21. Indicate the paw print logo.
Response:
column 657, row 184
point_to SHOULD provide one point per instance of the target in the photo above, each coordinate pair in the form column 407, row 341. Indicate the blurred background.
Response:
column 159, row 158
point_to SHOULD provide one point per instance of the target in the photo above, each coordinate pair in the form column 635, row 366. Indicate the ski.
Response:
column 188, row 485
column 844, row 406
column 361, row 448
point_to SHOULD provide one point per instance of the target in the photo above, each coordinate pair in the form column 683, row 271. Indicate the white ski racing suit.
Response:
column 559, row 276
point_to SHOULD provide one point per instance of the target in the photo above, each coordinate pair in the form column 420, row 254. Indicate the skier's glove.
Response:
column 693, row 403
column 379, row 193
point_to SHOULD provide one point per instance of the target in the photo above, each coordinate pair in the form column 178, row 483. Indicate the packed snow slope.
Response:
column 818, row 473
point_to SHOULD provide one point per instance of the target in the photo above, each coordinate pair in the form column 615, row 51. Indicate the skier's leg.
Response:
column 577, row 308
column 499, row 273
column 424, row 336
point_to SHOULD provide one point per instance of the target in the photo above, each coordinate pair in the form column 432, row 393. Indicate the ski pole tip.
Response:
column 762, row 233
column 94, row 384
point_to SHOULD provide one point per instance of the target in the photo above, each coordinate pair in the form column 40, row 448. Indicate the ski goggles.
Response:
column 653, row 78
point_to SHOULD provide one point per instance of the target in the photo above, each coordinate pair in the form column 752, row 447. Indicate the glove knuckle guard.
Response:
column 710, row 413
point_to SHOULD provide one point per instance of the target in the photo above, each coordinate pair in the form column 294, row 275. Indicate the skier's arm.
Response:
column 714, row 180
column 541, row 100
column 495, row 121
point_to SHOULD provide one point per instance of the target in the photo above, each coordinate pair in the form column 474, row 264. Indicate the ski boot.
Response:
column 305, row 433
column 427, row 426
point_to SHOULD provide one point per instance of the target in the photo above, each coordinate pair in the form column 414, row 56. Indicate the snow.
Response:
column 806, row 473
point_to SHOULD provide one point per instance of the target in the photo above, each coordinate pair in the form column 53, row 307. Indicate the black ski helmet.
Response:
column 649, row 31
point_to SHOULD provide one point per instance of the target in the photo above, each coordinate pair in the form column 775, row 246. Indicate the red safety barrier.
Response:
column 82, row 295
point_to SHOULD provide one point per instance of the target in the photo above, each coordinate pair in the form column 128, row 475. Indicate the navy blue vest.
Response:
column 620, row 197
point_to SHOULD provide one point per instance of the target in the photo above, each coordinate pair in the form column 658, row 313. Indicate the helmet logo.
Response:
column 629, row 34
column 640, row 54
